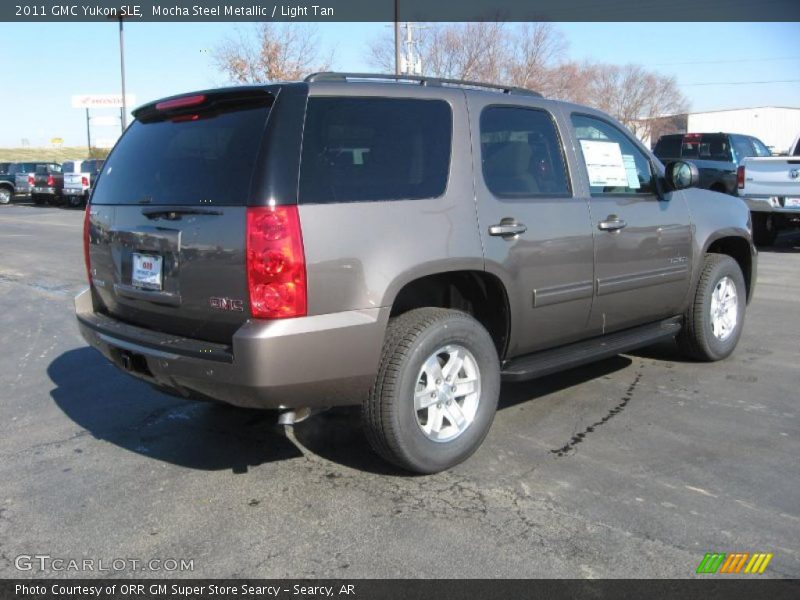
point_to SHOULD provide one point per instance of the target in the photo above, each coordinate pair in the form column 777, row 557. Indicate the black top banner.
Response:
column 401, row 10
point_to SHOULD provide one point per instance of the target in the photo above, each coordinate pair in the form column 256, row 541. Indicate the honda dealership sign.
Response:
column 102, row 100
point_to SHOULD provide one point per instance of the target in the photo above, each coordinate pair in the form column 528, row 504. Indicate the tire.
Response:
column 707, row 337
column 5, row 195
column 409, row 438
column 764, row 229
column 77, row 201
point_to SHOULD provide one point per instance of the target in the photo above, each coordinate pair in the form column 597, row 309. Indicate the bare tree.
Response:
column 634, row 95
column 475, row 51
column 533, row 55
column 270, row 52
column 537, row 49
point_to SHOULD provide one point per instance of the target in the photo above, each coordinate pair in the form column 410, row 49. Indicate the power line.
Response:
column 727, row 61
column 741, row 82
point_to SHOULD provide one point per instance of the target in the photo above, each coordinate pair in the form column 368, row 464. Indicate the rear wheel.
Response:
column 713, row 323
column 5, row 195
column 436, row 391
column 764, row 229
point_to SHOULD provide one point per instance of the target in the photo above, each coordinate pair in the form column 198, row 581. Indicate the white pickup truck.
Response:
column 771, row 188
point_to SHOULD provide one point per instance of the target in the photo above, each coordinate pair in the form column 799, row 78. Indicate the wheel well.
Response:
column 6, row 185
column 477, row 293
column 739, row 250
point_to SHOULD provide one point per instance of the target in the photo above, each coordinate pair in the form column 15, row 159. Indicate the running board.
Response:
column 546, row 362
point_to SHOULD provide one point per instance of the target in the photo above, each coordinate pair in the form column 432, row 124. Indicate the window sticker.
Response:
column 631, row 171
column 604, row 164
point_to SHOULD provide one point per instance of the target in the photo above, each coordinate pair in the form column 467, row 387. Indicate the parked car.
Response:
column 716, row 155
column 48, row 181
column 7, row 178
column 79, row 176
column 404, row 247
column 771, row 188
column 23, row 177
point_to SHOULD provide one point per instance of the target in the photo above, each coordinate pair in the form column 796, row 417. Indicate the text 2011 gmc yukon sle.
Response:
column 404, row 246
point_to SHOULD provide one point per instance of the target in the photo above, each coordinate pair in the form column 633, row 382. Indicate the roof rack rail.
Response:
column 420, row 80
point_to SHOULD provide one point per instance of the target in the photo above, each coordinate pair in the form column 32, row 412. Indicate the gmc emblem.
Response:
column 227, row 304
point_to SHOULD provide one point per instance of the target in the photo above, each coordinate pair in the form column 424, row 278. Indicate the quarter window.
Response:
column 521, row 154
column 614, row 163
column 373, row 149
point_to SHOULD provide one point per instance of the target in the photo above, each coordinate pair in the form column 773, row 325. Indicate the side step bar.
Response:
column 545, row 362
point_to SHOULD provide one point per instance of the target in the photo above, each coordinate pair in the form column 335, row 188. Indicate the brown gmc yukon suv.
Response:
column 404, row 245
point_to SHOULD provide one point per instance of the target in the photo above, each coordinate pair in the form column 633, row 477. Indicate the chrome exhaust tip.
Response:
column 298, row 415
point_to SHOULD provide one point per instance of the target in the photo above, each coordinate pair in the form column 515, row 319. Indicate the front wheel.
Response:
column 436, row 391
column 713, row 323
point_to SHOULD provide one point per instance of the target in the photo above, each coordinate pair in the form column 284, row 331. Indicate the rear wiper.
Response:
column 173, row 214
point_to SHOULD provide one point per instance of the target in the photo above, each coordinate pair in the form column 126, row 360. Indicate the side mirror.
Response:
column 680, row 175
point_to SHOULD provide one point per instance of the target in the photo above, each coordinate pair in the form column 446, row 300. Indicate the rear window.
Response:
column 706, row 147
column 373, row 149
column 68, row 167
column 91, row 166
column 204, row 160
column 47, row 169
column 668, row 147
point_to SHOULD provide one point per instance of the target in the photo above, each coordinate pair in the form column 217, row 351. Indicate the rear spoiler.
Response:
column 205, row 103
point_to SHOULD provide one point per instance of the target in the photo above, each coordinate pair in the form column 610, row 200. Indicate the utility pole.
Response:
column 397, row 57
column 124, row 116
column 88, row 133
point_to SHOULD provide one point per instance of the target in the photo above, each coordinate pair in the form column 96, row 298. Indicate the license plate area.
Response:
column 147, row 271
column 792, row 203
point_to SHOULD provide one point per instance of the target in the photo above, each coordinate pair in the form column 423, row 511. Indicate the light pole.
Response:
column 124, row 116
column 396, row 39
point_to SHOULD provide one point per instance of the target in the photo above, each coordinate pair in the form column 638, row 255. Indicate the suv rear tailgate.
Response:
column 168, row 216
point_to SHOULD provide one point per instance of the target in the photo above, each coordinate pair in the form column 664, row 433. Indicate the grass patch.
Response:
column 49, row 154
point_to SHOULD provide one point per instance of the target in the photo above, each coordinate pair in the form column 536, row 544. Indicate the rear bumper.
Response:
column 317, row 361
column 44, row 191
column 75, row 191
column 770, row 204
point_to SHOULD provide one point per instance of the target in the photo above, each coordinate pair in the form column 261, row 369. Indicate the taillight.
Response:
column 85, row 181
column 30, row 179
column 50, row 181
column 740, row 177
column 181, row 102
column 276, row 266
column 86, row 242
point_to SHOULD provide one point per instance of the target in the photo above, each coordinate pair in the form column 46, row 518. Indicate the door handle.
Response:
column 508, row 229
column 612, row 223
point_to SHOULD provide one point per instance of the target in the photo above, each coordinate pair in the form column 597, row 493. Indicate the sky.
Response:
column 48, row 63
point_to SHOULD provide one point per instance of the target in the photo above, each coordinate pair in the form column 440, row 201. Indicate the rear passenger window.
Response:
column 742, row 147
column 614, row 163
column 668, row 147
column 521, row 154
column 373, row 149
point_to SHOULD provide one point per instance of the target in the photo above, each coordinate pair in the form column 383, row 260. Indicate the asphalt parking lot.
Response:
column 633, row 467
